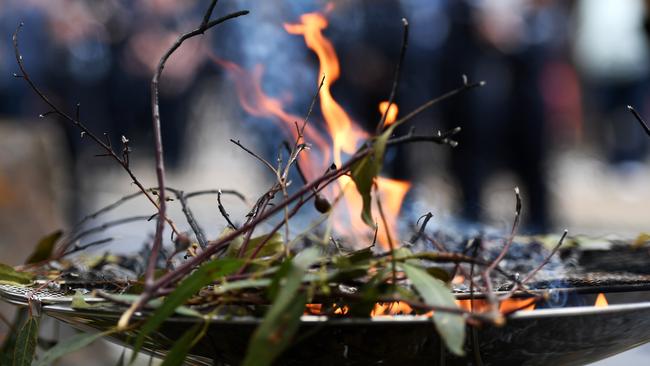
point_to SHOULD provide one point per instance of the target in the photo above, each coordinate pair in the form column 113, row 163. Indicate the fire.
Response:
column 391, row 308
column 601, row 301
column 391, row 116
column 345, row 136
column 255, row 102
column 510, row 305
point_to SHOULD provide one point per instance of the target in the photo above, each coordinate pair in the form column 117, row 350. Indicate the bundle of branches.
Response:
column 242, row 271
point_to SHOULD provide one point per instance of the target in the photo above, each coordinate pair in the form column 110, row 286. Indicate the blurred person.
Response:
column 611, row 53
column 507, row 44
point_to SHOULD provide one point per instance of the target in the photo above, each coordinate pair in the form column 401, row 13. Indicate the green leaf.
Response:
column 9, row 275
column 26, row 342
column 451, row 327
column 9, row 344
column 273, row 246
column 365, row 171
column 78, row 301
column 282, row 320
column 205, row 274
column 44, row 248
column 70, row 345
column 180, row 349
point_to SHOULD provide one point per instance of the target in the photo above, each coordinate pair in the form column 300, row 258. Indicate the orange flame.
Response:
column 391, row 116
column 346, row 136
column 601, row 301
column 509, row 305
column 255, row 102
column 391, row 308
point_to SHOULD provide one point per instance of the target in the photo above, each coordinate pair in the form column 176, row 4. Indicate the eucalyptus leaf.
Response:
column 9, row 275
column 44, row 247
column 70, row 345
column 78, row 301
column 282, row 320
column 274, row 245
column 26, row 342
column 180, row 349
column 9, row 344
column 204, row 275
column 451, row 327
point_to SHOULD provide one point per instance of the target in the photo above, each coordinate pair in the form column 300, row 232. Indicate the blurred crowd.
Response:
column 558, row 73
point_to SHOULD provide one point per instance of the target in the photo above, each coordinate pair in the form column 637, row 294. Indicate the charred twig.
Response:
column 155, row 109
column 223, row 212
column 396, row 77
column 533, row 272
column 420, row 231
column 638, row 117
column 189, row 216
column 78, row 248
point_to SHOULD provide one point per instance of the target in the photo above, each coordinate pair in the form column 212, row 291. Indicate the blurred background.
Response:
column 552, row 118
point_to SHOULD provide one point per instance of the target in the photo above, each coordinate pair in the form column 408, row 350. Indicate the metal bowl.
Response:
column 558, row 336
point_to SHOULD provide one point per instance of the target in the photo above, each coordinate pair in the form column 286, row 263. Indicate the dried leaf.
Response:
column 182, row 346
column 640, row 240
column 26, row 342
column 282, row 320
column 365, row 171
column 70, row 345
column 205, row 274
column 44, row 248
column 9, row 275
column 451, row 327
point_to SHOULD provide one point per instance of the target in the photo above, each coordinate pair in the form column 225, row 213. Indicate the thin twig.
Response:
column 466, row 86
column 420, row 231
column 256, row 156
column 189, row 217
column 76, row 122
column 78, row 248
column 391, row 245
column 155, row 110
column 224, row 213
column 638, row 117
column 398, row 69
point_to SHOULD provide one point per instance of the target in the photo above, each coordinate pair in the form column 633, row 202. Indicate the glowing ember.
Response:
column 510, row 305
column 601, row 301
column 391, row 308
column 392, row 112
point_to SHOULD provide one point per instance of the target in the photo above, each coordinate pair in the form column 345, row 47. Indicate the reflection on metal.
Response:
column 557, row 336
